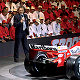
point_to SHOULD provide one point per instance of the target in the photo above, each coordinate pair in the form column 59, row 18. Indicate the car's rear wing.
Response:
column 47, row 48
column 43, row 47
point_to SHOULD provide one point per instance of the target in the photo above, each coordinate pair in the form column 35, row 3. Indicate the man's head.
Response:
column 5, row 11
column 39, row 8
column 75, row 19
column 63, row 7
column 70, row 10
column 41, row 20
column 32, row 9
column 21, row 10
column 4, row 23
column 58, row 20
column 27, row 9
column 65, row 18
column 74, row 7
column 14, row 11
column 71, row 18
column 49, row 10
column 37, row 22
column 47, row 21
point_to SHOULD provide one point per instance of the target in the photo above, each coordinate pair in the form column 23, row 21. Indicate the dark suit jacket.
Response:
column 19, row 26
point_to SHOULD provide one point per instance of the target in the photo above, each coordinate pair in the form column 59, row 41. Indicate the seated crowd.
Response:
column 46, row 17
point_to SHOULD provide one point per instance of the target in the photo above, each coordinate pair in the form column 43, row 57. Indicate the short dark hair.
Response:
column 47, row 19
column 21, row 7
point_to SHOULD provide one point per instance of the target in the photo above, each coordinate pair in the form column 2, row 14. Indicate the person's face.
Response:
column 63, row 7
column 29, row 4
column 71, row 19
column 27, row 10
column 74, row 8
column 65, row 19
column 57, row 20
column 49, row 10
column 39, row 9
column 70, row 11
column 32, row 10
column 21, row 10
column 36, row 23
column 47, row 22
column 5, row 12
column 74, row 19
column 4, row 24
column 41, row 21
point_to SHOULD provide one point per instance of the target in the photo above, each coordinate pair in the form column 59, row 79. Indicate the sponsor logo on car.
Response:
column 75, row 50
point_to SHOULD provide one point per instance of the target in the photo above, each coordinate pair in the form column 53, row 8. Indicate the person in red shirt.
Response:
column 40, row 2
column 75, row 25
column 69, row 3
column 29, row 4
column 2, row 5
column 46, row 5
column 49, row 14
column 4, row 32
column 55, row 11
column 63, row 12
column 65, row 23
column 70, row 13
column 12, row 32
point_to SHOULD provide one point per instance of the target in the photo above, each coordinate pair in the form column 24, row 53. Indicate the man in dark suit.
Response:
column 21, row 31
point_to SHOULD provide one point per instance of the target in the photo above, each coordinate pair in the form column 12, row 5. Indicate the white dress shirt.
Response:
column 56, row 28
column 36, row 30
column 31, row 16
column 39, row 15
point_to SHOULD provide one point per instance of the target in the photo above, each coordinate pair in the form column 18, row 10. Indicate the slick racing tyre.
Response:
column 28, row 65
column 39, row 63
column 36, row 67
column 73, row 68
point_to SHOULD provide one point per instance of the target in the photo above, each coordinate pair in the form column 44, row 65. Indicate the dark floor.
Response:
column 9, row 70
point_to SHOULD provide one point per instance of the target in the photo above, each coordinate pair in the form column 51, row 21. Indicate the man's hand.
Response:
column 22, row 19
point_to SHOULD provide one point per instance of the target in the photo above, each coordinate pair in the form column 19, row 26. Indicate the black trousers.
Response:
column 25, row 45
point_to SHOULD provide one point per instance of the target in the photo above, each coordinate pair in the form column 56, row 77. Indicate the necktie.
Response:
column 24, row 24
column 56, row 26
column 38, row 14
column 36, row 29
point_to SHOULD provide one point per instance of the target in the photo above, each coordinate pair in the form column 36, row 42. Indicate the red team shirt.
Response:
column 12, row 32
column 4, row 32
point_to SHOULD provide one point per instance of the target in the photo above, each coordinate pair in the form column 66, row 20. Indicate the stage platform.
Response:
column 10, row 70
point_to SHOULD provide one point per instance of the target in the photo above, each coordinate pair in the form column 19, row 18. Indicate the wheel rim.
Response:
column 40, row 67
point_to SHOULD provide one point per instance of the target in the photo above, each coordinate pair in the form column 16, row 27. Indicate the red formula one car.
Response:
column 53, row 60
